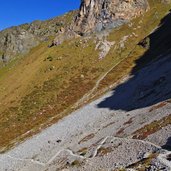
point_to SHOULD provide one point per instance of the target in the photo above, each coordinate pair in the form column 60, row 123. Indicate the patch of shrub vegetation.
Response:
column 49, row 58
column 75, row 163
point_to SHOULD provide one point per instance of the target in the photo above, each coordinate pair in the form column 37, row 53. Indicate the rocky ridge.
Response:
column 93, row 16
column 20, row 39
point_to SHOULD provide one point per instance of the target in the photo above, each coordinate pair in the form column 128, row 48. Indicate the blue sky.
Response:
column 15, row 12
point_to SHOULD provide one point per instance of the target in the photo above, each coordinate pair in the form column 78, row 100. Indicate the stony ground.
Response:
column 99, row 136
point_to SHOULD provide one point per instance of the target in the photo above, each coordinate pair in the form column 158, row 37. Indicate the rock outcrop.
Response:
column 20, row 39
column 16, row 40
column 96, row 15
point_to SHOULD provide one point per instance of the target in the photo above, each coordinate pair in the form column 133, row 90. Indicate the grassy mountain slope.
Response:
column 43, row 87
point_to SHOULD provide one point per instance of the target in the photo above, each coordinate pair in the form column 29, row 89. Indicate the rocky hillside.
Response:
column 20, row 39
column 81, row 64
column 93, row 16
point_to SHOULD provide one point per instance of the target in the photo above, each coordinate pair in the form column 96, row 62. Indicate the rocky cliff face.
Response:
column 21, row 39
column 96, row 15
column 16, row 40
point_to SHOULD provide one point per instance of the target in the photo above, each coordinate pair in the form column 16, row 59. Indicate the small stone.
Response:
column 82, row 76
column 146, row 155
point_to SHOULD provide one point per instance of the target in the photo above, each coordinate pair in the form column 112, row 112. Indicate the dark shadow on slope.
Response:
column 153, row 83
column 167, row 146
